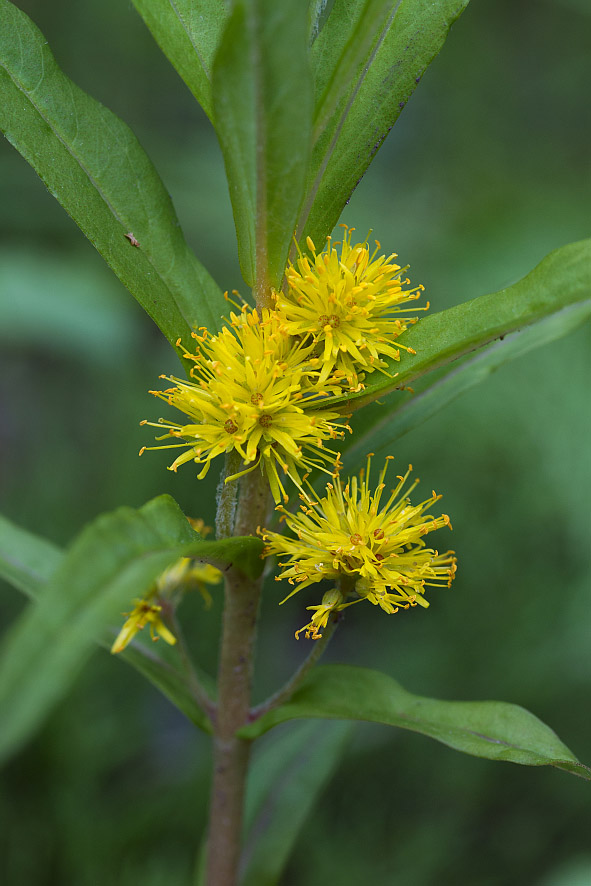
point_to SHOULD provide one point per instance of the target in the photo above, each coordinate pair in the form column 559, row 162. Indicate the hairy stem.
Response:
column 226, row 497
column 231, row 754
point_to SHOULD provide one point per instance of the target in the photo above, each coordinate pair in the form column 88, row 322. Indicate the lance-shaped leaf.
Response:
column 491, row 729
column 368, row 59
column 285, row 781
column 382, row 424
column 561, row 279
column 188, row 33
column 262, row 91
column 93, row 164
column 113, row 560
column 28, row 562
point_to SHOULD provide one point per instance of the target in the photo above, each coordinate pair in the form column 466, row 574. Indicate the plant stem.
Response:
column 226, row 497
column 231, row 754
column 287, row 690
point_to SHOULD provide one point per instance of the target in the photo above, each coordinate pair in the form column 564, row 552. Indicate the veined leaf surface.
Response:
column 491, row 729
column 95, row 167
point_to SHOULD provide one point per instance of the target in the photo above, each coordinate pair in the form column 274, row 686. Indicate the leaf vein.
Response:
column 190, row 37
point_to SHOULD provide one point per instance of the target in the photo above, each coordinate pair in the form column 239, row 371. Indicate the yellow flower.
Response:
column 350, row 306
column 377, row 551
column 251, row 393
column 144, row 613
column 188, row 572
column 332, row 601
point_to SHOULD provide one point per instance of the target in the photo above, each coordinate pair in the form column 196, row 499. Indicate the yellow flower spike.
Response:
column 144, row 613
column 250, row 385
column 350, row 307
column 377, row 546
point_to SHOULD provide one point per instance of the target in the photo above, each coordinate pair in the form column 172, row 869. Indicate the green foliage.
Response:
column 296, row 139
column 368, row 59
column 563, row 278
column 188, row 33
column 93, row 164
column 171, row 678
column 262, row 91
column 28, row 562
column 491, row 729
column 114, row 559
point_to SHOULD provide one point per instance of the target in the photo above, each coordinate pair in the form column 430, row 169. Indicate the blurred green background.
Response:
column 486, row 171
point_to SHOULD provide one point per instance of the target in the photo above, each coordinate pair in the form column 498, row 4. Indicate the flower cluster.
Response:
column 262, row 385
column 262, row 388
column 253, row 391
column 374, row 549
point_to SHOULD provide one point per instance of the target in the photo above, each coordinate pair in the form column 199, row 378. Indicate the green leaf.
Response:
column 262, row 92
column 343, row 49
column 188, row 33
column 171, row 681
column 114, row 559
column 491, row 729
column 27, row 561
column 93, row 164
column 561, row 279
column 368, row 59
column 285, row 780
column 382, row 424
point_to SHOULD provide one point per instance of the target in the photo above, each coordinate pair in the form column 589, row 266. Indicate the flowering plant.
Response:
column 274, row 388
